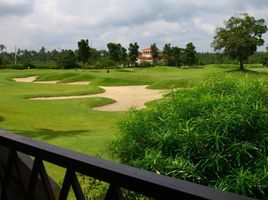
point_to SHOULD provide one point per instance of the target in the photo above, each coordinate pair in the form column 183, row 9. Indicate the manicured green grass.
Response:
column 72, row 123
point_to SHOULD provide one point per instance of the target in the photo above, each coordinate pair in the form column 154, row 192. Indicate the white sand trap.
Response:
column 32, row 79
column 79, row 83
column 26, row 79
column 125, row 97
column 46, row 82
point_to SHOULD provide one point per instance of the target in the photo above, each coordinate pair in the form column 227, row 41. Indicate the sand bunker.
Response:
column 125, row 97
column 32, row 79
column 79, row 83
column 26, row 79
column 46, row 82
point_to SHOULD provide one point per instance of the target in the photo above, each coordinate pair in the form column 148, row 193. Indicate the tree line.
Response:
column 117, row 55
column 87, row 57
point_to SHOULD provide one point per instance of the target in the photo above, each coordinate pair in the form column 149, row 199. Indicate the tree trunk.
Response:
column 241, row 64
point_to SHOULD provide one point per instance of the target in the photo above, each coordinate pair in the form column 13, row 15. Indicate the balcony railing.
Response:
column 15, row 153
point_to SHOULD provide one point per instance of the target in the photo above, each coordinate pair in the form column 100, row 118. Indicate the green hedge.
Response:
column 215, row 135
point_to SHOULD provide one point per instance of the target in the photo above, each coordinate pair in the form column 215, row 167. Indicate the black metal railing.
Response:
column 37, row 184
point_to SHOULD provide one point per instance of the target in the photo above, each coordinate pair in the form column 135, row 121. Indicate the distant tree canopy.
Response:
column 83, row 51
column 123, row 57
column 240, row 37
column 2, row 47
column 133, row 52
column 41, row 54
column 155, row 52
column 117, row 55
column 172, row 55
column 67, row 59
column 264, row 58
column 190, row 57
column 167, row 53
column 115, row 52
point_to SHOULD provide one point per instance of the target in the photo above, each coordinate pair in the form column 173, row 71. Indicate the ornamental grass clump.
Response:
column 215, row 134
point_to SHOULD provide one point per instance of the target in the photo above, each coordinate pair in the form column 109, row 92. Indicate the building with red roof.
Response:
column 145, row 56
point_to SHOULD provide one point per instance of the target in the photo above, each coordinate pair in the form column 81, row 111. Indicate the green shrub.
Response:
column 105, row 63
column 145, row 64
column 264, row 59
column 215, row 135
column 33, row 65
column 93, row 189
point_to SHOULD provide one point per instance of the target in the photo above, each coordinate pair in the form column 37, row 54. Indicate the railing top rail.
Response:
column 141, row 181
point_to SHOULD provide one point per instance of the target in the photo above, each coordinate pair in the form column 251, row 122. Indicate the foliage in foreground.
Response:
column 215, row 134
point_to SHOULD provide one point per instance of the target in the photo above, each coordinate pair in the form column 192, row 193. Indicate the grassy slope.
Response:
column 71, row 123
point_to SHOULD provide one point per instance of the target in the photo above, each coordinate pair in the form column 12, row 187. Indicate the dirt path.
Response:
column 125, row 96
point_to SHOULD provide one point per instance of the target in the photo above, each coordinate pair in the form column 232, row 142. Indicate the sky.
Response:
column 60, row 24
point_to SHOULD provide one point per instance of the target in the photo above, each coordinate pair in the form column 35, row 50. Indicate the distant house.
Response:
column 145, row 56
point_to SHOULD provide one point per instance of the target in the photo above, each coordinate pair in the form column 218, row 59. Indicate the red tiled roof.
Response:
column 146, row 49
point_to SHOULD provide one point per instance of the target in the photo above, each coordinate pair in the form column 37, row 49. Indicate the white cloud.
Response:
column 61, row 23
column 206, row 27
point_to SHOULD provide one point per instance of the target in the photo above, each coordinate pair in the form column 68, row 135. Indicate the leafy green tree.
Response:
column 83, row 51
column 167, row 53
column 172, row 55
column 133, row 53
column 190, row 55
column 41, row 55
column 176, row 56
column 155, row 52
column 114, row 51
column 117, row 53
column 67, row 59
column 2, row 47
column 240, row 37
column 264, row 58
column 123, row 56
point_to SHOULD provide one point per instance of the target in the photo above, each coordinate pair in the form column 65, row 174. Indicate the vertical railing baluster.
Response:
column 76, row 187
column 70, row 179
column 114, row 193
column 45, row 180
column 38, row 166
column 8, row 173
column 65, row 186
column 20, row 181
column 33, row 179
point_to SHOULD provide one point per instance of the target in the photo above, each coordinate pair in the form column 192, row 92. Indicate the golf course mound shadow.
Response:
column 246, row 71
column 49, row 134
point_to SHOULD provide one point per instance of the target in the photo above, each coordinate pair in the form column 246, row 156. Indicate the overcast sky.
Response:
column 59, row 24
